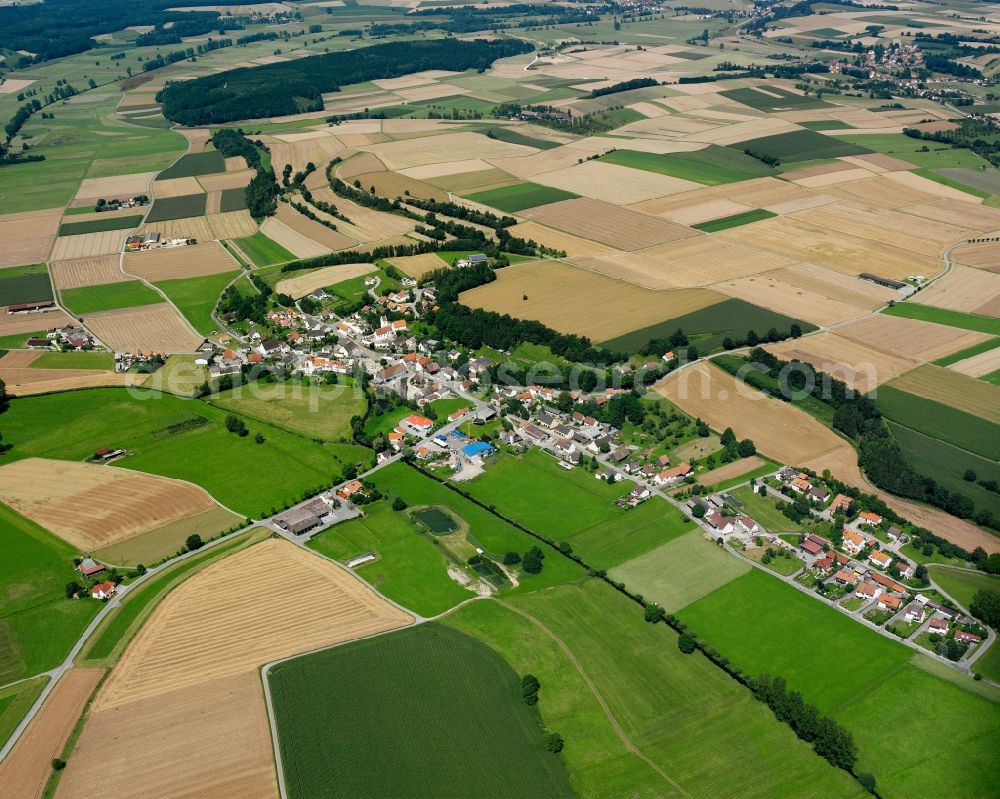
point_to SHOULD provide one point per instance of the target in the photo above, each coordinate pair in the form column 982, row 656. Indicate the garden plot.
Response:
column 981, row 256
column 964, row 289
column 861, row 367
column 119, row 187
column 620, row 185
column 26, row 238
column 577, row 301
column 950, row 388
column 302, row 285
column 86, row 272
column 156, row 328
column 183, row 713
column 93, row 506
column 444, row 148
column 700, row 261
column 843, row 252
column 911, row 338
column 168, row 263
column 608, row 224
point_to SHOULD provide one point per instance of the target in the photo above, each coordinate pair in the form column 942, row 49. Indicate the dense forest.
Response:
column 293, row 87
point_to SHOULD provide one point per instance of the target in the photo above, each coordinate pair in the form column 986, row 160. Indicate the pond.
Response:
column 437, row 521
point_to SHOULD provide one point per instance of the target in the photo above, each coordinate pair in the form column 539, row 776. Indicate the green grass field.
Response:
column 918, row 152
column 708, row 327
column 24, row 284
column 74, row 360
column 699, row 727
column 516, row 137
column 167, row 208
column 944, row 316
column 476, row 735
column 262, row 251
column 717, row 165
column 577, row 508
column 826, row 124
column 934, row 419
column 952, row 182
column 233, row 200
column 311, row 411
column 968, row 352
column 99, row 225
column 15, row 701
column 521, row 196
column 194, row 164
column 802, row 145
column 38, row 624
column 763, row 510
column 735, row 220
column 411, row 569
column 109, row 296
column 196, row 297
column 948, row 464
column 785, row 101
column 962, row 584
column 849, row 671
column 177, row 438
column 495, row 536
column 680, row 571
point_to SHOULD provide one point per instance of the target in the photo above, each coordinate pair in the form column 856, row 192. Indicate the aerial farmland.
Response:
column 414, row 399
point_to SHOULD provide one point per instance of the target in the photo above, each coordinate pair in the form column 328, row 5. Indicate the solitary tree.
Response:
column 194, row 542
column 399, row 504
column 554, row 742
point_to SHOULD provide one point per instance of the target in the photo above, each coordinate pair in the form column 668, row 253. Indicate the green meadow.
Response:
column 944, row 316
column 711, row 166
column 262, row 251
column 196, row 297
column 109, row 297
column 735, row 220
column 74, row 360
column 24, row 284
column 521, row 196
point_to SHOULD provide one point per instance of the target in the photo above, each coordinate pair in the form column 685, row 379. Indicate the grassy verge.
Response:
column 943, row 316
column 968, row 352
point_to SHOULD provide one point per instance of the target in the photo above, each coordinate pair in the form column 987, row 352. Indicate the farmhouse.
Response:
column 906, row 570
column 298, row 520
column 719, row 522
column 888, row 583
column 813, row 544
column 674, row 475
column 103, row 590
column 88, row 567
column 840, row 502
column 350, row 489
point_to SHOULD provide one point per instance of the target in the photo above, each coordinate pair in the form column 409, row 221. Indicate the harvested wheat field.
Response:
column 359, row 165
column 314, row 231
column 213, row 202
column 26, row 770
column 981, row 256
column 833, row 249
column 19, row 359
column 838, row 286
column 225, row 180
column 781, row 431
column 231, row 224
column 699, row 261
column 881, row 192
column 365, row 224
column 980, row 217
column 236, row 163
column 911, row 338
column 954, row 389
column 615, row 184
column 978, row 365
column 446, row 147
column 556, row 292
column 392, row 185
column 86, row 272
column 13, row 323
column 26, row 238
column 730, row 470
column 176, row 187
column 964, row 289
column 92, row 506
column 120, row 186
column 573, row 246
column 705, row 211
column 862, row 368
column 418, row 265
column 183, row 714
column 608, row 224
column 88, row 245
column 194, row 227
column 158, row 328
column 208, row 258
column 297, row 287
column 22, row 380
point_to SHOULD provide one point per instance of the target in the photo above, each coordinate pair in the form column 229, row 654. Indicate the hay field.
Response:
column 11, row 324
column 297, row 287
column 573, row 246
column 573, row 300
column 231, row 225
column 950, row 388
column 615, row 184
column 964, row 289
column 608, row 224
column 700, row 261
column 176, row 187
column 862, row 368
column 88, row 245
column 446, row 147
column 911, row 338
column 780, row 431
column 24, row 772
column 978, row 365
column 27, row 237
column 209, row 258
column 833, row 249
column 417, row 266
column 981, row 256
column 183, row 714
column 225, row 180
column 151, row 327
column 120, row 186
column 86, row 272
column 979, row 217
column 93, row 506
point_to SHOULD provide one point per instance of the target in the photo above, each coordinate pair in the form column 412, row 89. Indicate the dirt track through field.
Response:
column 26, row 769
column 182, row 714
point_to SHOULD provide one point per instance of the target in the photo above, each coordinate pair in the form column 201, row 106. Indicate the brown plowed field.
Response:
column 954, row 389
column 86, row 272
column 208, row 258
column 964, row 289
column 26, row 770
column 93, row 506
column 151, row 327
column 910, row 338
column 26, row 238
column 12, row 323
column 182, row 713
column 608, row 224
column 563, row 297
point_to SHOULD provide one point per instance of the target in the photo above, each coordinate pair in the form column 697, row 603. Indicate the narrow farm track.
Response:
column 597, row 695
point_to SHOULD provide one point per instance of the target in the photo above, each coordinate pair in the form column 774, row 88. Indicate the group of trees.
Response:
column 733, row 449
column 293, row 87
column 252, row 308
column 624, row 86
column 977, row 135
column 263, row 190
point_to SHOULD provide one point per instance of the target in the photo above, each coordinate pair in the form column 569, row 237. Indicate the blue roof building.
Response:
column 477, row 449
